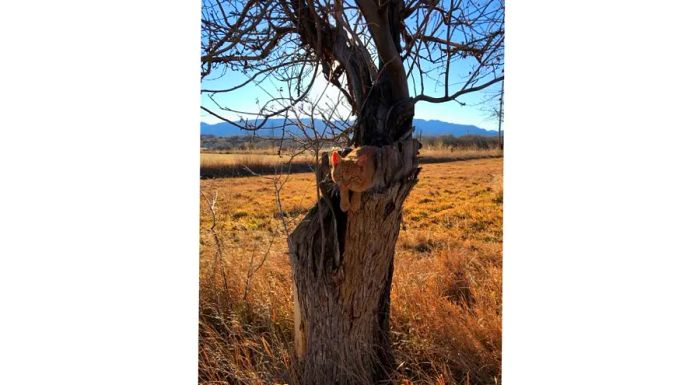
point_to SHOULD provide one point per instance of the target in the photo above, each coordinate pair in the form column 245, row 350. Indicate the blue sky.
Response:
column 473, row 112
column 244, row 99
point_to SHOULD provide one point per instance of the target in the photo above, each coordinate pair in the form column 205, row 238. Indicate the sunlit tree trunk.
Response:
column 343, row 262
column 343, row 266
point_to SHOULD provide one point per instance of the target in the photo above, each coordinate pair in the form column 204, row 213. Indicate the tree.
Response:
column 500, row 118
column 383, row 56
column 495, row 111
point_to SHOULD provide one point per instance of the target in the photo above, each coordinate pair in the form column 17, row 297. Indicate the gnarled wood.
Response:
column 342, row 266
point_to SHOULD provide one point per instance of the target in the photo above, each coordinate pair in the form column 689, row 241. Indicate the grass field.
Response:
column 446, row 293
column 267, row 161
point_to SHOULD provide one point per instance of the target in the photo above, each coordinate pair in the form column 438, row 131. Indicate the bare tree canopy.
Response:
column 396, row 51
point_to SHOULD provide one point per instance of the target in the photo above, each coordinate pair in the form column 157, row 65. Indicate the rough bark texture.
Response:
column 343, row 262
column 342, row 266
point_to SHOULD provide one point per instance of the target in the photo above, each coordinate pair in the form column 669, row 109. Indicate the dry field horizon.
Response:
column 240, row 162
column 446, row 291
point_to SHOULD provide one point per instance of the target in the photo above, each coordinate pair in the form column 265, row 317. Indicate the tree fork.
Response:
column 343, row 262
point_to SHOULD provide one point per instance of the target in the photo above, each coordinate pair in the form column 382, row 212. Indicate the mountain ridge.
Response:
column 431, row 127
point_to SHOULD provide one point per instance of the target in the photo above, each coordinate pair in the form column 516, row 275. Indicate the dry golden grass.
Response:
column 267, row 161
column 446, row 294
column 260, row 162
column 442, row 153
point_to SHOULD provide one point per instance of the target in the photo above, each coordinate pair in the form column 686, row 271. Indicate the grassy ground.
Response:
column 267, row 161
column 446, row 294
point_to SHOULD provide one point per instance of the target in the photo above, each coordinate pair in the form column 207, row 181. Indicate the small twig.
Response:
column 218, row 259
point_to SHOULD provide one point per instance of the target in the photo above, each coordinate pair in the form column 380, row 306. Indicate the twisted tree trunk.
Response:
column 343, row 262
column 343, row 266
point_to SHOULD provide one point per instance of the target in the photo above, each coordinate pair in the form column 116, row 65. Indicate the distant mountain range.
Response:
column 423, row 127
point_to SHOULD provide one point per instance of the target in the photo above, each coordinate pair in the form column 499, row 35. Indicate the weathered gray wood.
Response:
column 342, row 267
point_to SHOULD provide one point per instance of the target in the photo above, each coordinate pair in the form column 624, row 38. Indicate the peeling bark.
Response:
column 342, row 301
column 343, row 262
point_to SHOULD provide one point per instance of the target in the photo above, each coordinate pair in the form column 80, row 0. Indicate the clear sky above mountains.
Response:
column 245, row 99
column 473, row 108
